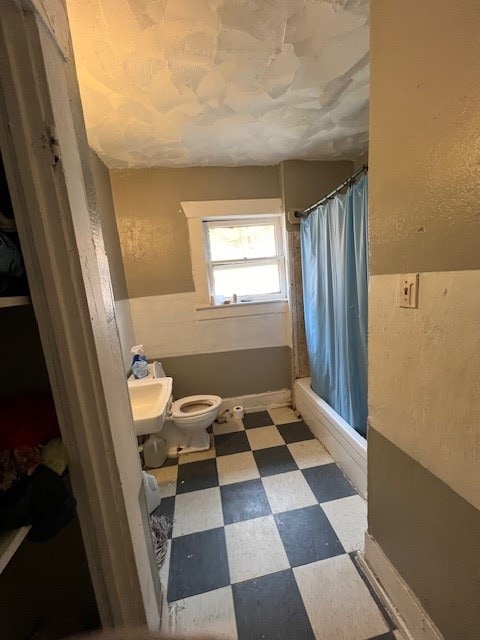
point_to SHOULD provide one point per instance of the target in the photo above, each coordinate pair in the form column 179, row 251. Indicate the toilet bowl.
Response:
column 192, row 416
column 184, row 422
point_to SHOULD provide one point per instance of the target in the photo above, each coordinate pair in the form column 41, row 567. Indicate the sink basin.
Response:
column 150, row 400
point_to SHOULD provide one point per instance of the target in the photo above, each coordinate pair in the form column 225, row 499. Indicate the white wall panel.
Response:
column 169, row 325
column 424, row 372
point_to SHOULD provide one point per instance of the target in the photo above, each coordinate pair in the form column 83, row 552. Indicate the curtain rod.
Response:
column 306, row 212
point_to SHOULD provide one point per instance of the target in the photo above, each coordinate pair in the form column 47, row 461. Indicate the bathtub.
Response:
column 347, row 447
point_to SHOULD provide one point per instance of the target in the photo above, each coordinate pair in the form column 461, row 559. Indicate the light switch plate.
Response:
column 408, row 290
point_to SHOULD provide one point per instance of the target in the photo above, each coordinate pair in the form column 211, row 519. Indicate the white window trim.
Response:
column 196, row 212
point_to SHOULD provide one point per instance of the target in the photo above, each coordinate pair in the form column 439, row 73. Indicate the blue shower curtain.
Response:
column 335, row 281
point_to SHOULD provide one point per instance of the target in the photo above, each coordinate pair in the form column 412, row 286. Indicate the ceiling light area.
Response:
column 177, row 83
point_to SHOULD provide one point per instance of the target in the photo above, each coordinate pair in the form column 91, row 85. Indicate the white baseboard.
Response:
column 258, row 401
column 402, row 604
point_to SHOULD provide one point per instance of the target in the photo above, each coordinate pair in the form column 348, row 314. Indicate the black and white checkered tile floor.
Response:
column 265, row 530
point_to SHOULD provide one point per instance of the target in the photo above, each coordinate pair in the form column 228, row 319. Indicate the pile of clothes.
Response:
column 33, row 463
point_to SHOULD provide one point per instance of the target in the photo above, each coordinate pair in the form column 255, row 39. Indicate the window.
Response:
column 245, row 260
column 237, row 248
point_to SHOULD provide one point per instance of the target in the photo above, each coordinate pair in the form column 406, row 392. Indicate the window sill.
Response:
column 263, row 307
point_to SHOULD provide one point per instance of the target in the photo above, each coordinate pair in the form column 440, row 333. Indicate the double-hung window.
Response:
column 238, row 255
column 245, row 258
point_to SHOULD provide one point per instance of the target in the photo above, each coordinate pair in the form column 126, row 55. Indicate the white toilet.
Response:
column 192, row 416
column 185, row 423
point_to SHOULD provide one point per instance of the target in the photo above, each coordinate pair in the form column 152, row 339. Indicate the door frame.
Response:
column 46, row 157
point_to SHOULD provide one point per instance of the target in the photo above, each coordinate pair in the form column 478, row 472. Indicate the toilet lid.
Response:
column 192, row 406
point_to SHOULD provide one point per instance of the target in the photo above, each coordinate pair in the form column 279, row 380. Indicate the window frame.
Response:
column 278, row 259
column 194, row 212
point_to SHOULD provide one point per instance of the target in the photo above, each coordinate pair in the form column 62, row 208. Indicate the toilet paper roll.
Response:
column 238, row 413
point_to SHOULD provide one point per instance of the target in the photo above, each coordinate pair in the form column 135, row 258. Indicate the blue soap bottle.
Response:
column 139, row 362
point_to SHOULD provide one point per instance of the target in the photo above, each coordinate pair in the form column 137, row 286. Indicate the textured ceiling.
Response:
column 222, row 82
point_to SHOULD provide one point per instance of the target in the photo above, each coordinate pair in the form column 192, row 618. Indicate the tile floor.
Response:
column 265, row 530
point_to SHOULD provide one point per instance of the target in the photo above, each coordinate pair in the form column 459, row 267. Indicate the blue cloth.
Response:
column 334, row 245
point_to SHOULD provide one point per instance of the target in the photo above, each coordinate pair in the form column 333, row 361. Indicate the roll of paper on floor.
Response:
column 238, row 413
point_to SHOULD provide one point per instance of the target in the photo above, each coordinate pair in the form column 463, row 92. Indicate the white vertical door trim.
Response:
column 53, row 14
column 59, row 230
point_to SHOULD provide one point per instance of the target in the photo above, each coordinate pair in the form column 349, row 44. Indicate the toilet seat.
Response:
column 193, row 406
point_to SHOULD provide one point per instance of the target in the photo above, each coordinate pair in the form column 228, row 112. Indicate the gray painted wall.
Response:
column 153, row 228
column 147, row 206
column 230, row 373
column 429, row 533
column 424, row 123
column 305, row 182
column 423, row 468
